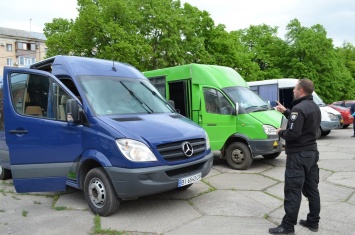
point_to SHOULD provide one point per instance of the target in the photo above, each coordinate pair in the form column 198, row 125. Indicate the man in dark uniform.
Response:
column 352, row 110
column 302, row 172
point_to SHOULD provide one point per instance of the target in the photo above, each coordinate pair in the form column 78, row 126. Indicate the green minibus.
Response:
column 239, row 123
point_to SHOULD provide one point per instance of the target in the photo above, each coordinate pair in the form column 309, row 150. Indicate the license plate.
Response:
column 189, row 180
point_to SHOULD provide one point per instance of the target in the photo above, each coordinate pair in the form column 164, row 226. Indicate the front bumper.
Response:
column 135, row 183
column 265, row 147
column 330, row 125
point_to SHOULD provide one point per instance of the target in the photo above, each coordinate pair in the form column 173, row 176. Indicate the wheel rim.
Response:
column 237, row 156
column 1, row 170
column 97, row 193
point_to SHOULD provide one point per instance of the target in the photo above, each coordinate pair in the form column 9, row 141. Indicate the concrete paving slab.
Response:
column 275, row 173
column 196, row 189
column 75, row 200
column 343, row 178
column 240, row 181
column 31, row 214
column 223, row 225
column 235, row 203
column 150, row 215
column 336, row 165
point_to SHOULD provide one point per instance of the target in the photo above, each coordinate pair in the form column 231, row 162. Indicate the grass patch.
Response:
column 60, row 208
column 37, row 202
column 99, row 231
column 16, row 198
column 2, row 210
column 24, row 213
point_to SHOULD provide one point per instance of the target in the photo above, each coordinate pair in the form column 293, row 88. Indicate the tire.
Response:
column 184, row 187
column 239, row 156
column 325, row 133
column 272, row 155
column 5, row 173
column 319, row 133
column 99, row 193
column 345, row 126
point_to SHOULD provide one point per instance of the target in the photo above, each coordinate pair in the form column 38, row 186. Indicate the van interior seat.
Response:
column 34, row 111
column 62, row 106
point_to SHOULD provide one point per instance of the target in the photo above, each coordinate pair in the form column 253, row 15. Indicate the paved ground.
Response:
column 226, row 202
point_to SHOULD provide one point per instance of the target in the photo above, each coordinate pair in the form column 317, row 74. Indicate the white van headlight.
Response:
column 331, row 116
column 135, row 151
column 269, row 130
column 208, row 145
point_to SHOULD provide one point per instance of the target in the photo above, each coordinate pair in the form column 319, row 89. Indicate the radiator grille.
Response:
column 172, row 152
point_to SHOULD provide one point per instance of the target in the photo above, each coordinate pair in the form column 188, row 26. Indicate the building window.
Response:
column 8, row 47
column 9, row 61
column 26, row 46
column 24, row 61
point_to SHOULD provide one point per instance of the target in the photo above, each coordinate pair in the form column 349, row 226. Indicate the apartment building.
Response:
column 20, row 48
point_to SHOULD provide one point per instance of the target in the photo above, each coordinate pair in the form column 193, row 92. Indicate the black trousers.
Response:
column 354, row 125
column 301, row 177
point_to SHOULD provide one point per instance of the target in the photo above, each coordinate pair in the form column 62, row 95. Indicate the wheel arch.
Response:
column 90, row 159
column 233, row 139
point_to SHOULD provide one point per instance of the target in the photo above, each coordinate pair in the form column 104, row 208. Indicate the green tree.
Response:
column 265, row 50
column 311, row 54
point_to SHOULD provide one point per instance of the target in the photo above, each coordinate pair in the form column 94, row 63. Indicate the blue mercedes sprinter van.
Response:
column 98, row 126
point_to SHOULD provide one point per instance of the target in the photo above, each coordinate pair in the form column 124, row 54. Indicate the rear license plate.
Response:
column 189, row 180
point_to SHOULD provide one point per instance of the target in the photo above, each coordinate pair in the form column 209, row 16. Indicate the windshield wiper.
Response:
column 144, row 105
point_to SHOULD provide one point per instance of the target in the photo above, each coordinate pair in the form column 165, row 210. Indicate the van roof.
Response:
column 75, row 65
column 201, row 74
column 282, row 82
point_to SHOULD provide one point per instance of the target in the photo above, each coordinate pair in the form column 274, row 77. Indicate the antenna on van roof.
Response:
column 113, row 66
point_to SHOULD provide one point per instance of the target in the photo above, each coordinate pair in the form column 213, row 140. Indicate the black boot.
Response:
column 281, row 230
column 311, row 226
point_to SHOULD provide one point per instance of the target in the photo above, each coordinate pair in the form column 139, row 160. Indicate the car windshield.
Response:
column 247, row 99
column 115, row 95
column 317, row 99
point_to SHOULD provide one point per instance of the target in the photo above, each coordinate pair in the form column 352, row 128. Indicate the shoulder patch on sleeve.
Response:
column 293, row 116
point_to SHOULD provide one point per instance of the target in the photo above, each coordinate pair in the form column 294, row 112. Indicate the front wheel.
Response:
column 239, row 156
column 272, row 155
column 4, row 173
column 99, row 193
column 325, row 133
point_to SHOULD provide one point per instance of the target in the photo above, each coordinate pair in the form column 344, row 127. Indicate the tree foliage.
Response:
column 153, row 34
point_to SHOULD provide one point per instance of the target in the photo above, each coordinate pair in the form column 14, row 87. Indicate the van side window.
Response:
column 35, row 95
column 216, row 102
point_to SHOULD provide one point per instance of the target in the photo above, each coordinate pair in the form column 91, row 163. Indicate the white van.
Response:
column 282, row 90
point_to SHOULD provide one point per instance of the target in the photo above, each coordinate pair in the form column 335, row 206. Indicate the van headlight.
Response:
column 135, row 151
column 208, row 145
column 269, row 130
column 331, row 116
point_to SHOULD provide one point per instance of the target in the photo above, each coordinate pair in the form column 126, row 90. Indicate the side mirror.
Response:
column 236, row 108
column 73, row 111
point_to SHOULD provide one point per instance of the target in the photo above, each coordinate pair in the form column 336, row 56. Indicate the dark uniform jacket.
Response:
column 303, row 125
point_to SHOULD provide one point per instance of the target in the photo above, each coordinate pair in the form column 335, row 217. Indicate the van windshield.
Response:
column 247, row 99
column 115, row 95
column 317, row 99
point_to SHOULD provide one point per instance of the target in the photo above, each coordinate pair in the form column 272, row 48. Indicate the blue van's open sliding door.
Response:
column 43, row 146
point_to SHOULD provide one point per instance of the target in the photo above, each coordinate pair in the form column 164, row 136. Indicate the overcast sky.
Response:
column 336, row 16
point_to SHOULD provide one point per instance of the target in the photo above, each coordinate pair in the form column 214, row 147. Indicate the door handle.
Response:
column 18, row 132
column 211, row 124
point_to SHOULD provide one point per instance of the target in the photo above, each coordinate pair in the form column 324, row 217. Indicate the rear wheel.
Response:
column 99, row 193
column 4, row 173
column 239, row 156
column 272, row 155
column 345, row 126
